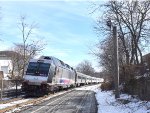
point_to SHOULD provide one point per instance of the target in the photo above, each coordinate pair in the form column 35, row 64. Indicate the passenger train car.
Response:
column 51, row 74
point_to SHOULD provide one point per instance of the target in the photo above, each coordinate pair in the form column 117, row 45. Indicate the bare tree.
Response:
column 105, row 54
column 85, row 67
column 27, row 49
column 132, row 20
column 26, row 31
column 17, row 58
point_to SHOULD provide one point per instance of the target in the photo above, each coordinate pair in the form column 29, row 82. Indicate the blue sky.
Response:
column 65, row 26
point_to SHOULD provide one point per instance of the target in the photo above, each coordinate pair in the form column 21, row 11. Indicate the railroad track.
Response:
column 56, row 102
column 24, row 105
column 75, row 101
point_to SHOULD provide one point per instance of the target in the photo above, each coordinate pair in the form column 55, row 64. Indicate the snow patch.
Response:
column 108, row 104
column 2, row 106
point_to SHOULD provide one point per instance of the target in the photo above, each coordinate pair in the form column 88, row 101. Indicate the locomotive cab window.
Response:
column 38, row 69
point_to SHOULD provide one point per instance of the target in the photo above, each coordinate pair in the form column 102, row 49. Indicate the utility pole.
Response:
column 116, row 62
column 1, row 88
column 115, row 58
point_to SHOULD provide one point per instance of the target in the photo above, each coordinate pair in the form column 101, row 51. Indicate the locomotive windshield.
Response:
column 38, row 69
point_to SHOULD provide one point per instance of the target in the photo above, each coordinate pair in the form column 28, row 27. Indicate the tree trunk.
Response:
column 140, row 54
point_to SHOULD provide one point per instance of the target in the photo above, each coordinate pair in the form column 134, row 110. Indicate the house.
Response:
column 5, row 62
column 8, row 63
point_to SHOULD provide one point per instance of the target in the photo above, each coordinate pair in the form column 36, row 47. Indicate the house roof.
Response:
column 6, row 55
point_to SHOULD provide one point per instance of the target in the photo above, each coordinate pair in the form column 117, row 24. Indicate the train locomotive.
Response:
column 49, row 74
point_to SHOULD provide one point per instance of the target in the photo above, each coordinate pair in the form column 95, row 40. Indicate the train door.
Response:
column 51, row 72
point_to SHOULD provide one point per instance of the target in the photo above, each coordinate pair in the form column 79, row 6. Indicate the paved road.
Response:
column 76, row 101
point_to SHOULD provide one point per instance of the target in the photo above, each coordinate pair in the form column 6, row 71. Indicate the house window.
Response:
column 4, row 69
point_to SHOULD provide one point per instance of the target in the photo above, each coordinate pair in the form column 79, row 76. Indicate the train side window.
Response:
column 67, row 66
column 79, row 77
column 62, row 63
column 57, row 62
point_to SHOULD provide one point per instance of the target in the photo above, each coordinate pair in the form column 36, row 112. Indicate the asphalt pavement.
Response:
column 76, row 101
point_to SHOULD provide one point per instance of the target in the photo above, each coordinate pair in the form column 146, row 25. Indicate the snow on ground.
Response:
column 2, row 106
column 4, row 99
column 108, row 104
column 92, row 87
column 10, row 87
